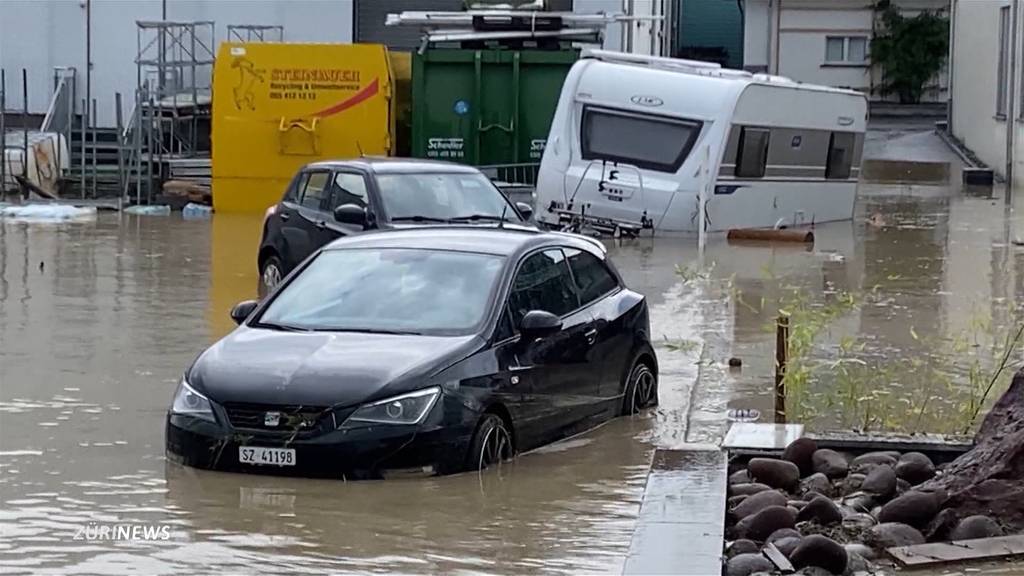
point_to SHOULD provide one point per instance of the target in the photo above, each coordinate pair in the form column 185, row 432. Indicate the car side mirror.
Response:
column 242, row 310
column 538, row 324
column 525, row 210
column 351, row 214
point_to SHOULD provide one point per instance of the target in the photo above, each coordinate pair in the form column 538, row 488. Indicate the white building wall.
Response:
column 756, row 39
column 975, row 70
column 40, row 34
column 799, row 29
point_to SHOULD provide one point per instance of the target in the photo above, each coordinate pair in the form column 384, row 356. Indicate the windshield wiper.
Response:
column 370, row 331
column 281, row 327
column 481, row 218
column 419, row 219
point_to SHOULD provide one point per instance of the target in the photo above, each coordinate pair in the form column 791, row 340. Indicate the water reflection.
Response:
column 93, row 342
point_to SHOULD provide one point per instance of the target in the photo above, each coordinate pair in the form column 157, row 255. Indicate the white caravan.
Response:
column 640, row 142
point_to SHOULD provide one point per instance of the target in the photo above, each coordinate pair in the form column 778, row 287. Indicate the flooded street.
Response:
column 99, row 318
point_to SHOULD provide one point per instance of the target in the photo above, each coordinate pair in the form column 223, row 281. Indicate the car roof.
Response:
column 508, row 240
column 388, row 165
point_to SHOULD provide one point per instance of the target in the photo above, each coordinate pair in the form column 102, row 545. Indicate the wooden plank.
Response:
column 777, row 558
column 958, row 551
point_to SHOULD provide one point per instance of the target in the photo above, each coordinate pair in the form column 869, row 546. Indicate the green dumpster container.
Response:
column 485, row 107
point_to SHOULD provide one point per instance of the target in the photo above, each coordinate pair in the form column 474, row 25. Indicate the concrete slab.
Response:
column 681, row 525
column 761, row 436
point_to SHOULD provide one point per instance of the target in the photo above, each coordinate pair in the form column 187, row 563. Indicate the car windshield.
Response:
column 443, row 196
column 388, row 290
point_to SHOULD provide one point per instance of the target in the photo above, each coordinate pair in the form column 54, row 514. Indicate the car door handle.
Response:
column 591, row 335
column 284, row 216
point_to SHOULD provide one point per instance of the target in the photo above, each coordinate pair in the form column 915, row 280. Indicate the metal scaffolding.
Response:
column 172, row 102
column 255, row 33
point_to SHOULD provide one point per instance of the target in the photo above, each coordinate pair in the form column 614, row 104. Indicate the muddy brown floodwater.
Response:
column 99, row 318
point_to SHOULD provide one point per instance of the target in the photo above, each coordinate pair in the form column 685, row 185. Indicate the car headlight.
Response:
column 409, row 408
column 188, row 402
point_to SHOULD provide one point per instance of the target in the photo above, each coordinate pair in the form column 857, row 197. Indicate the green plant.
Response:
column 911, row 51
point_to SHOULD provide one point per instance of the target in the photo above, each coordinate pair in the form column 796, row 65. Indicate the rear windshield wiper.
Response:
column 419, row 219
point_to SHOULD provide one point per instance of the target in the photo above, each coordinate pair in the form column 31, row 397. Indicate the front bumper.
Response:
column 438, row 445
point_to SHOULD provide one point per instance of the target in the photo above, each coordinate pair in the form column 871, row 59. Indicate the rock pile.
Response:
column 831, row 513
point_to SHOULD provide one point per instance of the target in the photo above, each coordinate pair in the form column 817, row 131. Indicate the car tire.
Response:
column 271, row 273
column 641, row 388
column 491, row 445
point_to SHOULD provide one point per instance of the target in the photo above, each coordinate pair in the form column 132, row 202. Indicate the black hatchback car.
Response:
column 327, row 200
column 429, row 350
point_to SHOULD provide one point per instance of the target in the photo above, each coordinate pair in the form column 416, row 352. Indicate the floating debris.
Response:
column 743, row 414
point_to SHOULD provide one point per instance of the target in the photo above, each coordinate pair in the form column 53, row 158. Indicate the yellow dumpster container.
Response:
column 279, row 106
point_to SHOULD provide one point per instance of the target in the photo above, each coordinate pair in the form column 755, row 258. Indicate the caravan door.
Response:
column 630, row 163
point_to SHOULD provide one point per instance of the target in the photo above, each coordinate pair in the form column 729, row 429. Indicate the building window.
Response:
column 840, row 156
column 1004, row 57
column 846, row 49
column 752, row 154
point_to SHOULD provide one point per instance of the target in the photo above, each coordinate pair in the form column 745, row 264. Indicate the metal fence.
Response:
column 512, row 175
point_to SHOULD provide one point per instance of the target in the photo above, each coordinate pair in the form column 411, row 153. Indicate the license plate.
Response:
column 266, row 456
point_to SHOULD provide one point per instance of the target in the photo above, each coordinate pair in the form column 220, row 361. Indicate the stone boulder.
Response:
column 977, row 526
column 880, row 483
column 873, row 459
column 852, row 483
column 830, row 463
column 759, row 526
column 748, row 488
column 775, row 473
column 987, row 480
column 782, row 533
column 739, row 477
column 822, row 511
column 742, row 547
column 788, row 545
column 816, row 483
column 758, row 502
column 892, row 534
column 915, row 468
column 820, row 551
column 800, row 452
column 913, row 508
column 747, row 564
column 861, row 550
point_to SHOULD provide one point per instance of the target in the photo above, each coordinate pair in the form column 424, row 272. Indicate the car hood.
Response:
column 262, row 366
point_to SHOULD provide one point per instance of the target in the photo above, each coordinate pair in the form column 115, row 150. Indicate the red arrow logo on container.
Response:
column 365, row 94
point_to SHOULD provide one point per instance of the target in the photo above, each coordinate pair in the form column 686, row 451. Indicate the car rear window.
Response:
column 645, row 141
column 388, row 290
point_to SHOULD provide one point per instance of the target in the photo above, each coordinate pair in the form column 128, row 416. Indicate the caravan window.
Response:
column 840, row 156
column 645, row 141
column 752, row 154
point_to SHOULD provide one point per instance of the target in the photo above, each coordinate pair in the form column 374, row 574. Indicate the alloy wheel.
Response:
column 496, row 447
column 644, row 388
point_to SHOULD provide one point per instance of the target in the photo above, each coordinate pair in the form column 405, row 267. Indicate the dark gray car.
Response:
column 328, row 200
